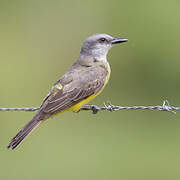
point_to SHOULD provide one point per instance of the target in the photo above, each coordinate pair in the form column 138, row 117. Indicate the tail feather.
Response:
column 23, row 133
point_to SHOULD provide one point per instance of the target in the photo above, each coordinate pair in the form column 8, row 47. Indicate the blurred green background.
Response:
column 41, row 39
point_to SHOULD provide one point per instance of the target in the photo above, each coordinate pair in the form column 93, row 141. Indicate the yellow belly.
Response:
column 78, row 106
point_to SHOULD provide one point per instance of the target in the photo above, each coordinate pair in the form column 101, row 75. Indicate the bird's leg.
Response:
column 93, row 108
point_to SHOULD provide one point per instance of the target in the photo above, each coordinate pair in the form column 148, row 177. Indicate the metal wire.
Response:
column 108, row 107
column 20, row 109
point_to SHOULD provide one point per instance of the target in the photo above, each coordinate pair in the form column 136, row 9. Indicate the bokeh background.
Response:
column 39, row 41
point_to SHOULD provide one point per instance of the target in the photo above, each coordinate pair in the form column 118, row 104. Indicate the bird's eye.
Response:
column 102, row 40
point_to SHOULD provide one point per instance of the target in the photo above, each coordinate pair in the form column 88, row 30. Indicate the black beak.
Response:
column 118, row 40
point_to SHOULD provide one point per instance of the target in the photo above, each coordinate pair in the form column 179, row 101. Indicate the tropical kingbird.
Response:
column 80, row 84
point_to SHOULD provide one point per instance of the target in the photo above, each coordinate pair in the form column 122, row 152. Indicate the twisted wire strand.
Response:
column 108, row 107
column 20, row 109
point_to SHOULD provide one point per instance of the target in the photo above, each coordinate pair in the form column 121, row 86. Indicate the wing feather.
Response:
column 73, row 92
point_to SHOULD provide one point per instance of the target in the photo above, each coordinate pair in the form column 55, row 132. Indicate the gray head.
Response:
column 98, row 45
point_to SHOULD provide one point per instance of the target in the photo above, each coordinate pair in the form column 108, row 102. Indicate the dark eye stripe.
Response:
column 102, row 40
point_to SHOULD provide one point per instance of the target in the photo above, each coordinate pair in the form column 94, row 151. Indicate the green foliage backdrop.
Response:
column 41, row 39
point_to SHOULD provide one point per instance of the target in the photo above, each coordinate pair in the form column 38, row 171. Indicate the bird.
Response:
column 84, row 80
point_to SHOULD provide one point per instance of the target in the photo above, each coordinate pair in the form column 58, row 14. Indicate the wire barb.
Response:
column 108, row 107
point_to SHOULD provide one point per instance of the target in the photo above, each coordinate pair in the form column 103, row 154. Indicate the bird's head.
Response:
column 98, row 45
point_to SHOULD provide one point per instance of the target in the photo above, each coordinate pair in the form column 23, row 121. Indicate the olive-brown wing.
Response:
column 67, row 97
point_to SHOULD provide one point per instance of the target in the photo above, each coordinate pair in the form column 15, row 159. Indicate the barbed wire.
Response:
column 20, row 109
column 108, row 107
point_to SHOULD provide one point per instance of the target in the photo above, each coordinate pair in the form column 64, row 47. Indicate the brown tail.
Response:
column 28, row 128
